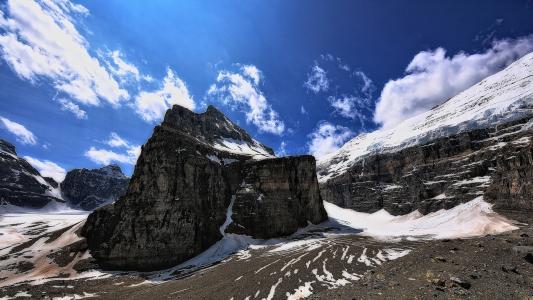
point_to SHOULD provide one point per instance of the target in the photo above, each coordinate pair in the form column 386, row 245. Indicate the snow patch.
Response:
column 474, row 218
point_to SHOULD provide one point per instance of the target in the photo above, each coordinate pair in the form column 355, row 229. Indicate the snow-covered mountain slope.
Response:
column 21, row 184
column 500, row 98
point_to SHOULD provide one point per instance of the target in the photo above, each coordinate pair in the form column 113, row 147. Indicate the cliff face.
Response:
column 192, row 169
column 496, row 162
column 276, row 196
column 21, row 184
column 88, row 189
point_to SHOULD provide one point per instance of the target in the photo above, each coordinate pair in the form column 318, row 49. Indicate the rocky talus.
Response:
column 496, row 162
column 196, row 173
column 21, row 184
column 88, row 189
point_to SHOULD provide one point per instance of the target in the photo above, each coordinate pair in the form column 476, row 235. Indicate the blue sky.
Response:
column 83, row 83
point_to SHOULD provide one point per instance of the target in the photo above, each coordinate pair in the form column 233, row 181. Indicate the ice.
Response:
column 500, row 98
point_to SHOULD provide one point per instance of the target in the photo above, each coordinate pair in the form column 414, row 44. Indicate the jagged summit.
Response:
column 215, row 129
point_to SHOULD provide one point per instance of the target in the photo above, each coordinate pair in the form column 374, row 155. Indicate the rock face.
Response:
column 194, row 170
column 496, row 162
column 88, row 189
column 21, row 184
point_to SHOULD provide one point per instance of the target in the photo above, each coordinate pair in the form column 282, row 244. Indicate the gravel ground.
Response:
column 334, row 267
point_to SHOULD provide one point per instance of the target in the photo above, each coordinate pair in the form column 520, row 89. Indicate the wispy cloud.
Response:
column 432, row 78
column 317, row 80
column 126, row 152
column 282, row 150
column 22, row 134
column 327, row 138
column 358, row 104
column 151, row 106
column 47, row 168
column 241, row 90
column 68, row 105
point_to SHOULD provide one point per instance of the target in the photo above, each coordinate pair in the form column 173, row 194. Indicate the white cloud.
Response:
column 327, row 138
column 151, row 106
column 47, row 168
column 317, row 80
column 347, row 106
column 128, row 155
column 116, row 141
column 73, row 108
column 432, row 78
column 356, row 106
column 252, row 72
column 105, row 157
column 282, row 151
column 23, row 135
column 240, row 90
column 40, row 40
column 302, row 110
column 123, row 68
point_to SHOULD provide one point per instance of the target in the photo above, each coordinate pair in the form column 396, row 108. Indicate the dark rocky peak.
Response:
column 211, row 127
column 111, row 170
column 90, row 188
column 193, row 176
column 21, row 184
column 7, row 147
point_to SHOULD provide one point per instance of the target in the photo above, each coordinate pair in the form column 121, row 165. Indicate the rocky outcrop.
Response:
column 276, row 197
column 496, row 162
column 21, row 184
column 88, row 189
column 193, row 171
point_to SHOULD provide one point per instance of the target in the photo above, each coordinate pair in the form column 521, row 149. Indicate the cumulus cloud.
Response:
column 240, row 90
column 151, row 106
column 327, row 138
column 47, row 168
column 432, row 77
column 128, row 152
column 68, row 105
column 40, row 41
column 22, row 134
column 317, row 80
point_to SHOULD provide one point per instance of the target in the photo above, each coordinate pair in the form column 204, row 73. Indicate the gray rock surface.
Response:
column 91, row 188
column 21, row 184
column 183, row 184
column 496, row 162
